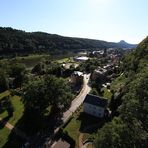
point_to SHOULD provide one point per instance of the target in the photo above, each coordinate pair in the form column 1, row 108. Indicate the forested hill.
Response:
column 129, row 125
column 124, row 44
column 17, row 41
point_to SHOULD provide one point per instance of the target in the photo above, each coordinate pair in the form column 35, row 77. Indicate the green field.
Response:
column 4, row 133
column 107, row 94
column 83, row 124
column 73, row 127
column 64, row 60
column 18, row 111
column 31, row 60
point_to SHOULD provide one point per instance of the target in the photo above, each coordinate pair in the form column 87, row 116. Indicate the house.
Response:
column 77, row 78
column 61, row 144
column 95, row 105
column 81, row 59
column 99, row 73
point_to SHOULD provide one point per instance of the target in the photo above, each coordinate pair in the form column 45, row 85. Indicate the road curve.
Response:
column 79, row 99
column 74, row 105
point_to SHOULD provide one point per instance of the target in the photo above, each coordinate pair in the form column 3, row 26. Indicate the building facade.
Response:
column 77, row 78
column 94, row 105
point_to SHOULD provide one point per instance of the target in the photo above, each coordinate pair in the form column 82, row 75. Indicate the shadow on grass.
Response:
column 65, row 137
column 17, row 136
column 3, row 122
column 89, row 124
column 27, row 131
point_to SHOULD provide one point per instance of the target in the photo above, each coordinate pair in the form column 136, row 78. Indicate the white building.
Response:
column 94, row 105
column 81, row 58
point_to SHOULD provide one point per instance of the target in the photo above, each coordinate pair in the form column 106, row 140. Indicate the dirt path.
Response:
column 13, row 129
column 80, row 140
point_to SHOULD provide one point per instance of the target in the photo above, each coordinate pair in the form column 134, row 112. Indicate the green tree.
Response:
column 59, row 92
column 39, row 68
column 4, row 83
column 42, row 93
column 18, row 71
column 6, row 105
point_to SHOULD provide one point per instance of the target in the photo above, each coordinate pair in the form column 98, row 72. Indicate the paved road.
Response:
column 79, row 99
column 75, row 103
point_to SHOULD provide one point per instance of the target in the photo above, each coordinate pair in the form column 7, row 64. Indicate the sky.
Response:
column 109, row 20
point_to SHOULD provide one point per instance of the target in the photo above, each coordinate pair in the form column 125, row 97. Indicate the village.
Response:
column 87, row 104
column 74, row 74
column 89, row 75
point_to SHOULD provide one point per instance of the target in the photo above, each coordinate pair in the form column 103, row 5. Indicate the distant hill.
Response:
column 16, row 41
column 124, row 44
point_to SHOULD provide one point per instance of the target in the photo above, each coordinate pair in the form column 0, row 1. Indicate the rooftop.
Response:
column 83, row 58
column 78, row 73
column 95, row 100
column 100, row 70
column 61, row 144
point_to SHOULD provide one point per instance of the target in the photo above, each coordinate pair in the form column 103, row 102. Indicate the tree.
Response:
column 130, row 128
column 6, row 105
column 35, row 103
column 42, row 93
column 59, row 92
column 18, row 71
column 118, row 134
column 4, row 83
column 39, row 69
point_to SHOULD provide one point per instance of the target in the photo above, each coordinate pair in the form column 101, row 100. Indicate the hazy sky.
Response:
column 110, row 20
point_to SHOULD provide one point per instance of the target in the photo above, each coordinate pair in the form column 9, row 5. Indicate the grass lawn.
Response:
column 79, row 124
column 72, row 128
column 6, row 93
column 4, row 133
column 18, row 111
column 31, row 60
column 63, row 60
column 107, row 94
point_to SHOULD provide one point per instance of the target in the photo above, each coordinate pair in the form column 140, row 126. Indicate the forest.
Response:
column 129, row 124
column 16, row 42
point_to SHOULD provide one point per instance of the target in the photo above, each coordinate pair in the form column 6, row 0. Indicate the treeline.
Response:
column 14, row 41
column 129, row 104
column 44, row 91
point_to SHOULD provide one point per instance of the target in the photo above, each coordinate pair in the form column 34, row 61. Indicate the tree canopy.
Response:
column 130, row 128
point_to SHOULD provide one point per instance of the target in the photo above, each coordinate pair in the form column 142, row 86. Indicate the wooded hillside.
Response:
column 129, row 126
column 16, row 41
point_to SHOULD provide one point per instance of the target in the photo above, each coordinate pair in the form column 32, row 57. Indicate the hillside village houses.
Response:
column 77, row 78
column 99, row 72
column 95, row 105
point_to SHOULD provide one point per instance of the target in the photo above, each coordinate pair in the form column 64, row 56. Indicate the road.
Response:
column 74, row 105
column 79, row 99
column 49, row 142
